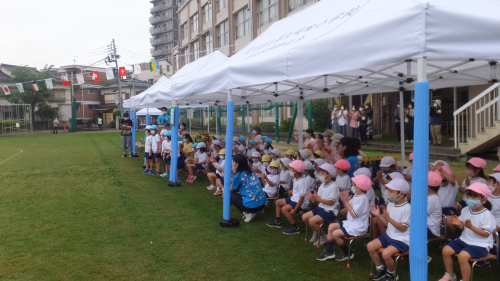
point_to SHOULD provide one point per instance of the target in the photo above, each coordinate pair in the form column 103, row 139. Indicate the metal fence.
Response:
column 15, row 119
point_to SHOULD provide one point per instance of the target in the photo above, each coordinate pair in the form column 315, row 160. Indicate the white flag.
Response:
column 48, row 83
column 109, row 74
column 80, row 79
column 137, row 69
column 20, row 87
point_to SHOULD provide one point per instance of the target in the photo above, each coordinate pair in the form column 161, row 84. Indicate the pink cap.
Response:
column 435, row 178
column 480, row 188
column 446, row 170
column 298, row 165
column 497, row 168
column 477, row 162
column 363, row 182
column 411, row 156
column 343, row 164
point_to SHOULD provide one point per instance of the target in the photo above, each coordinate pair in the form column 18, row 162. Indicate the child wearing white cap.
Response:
column 275, row 154
column 200, row 164
column 147, row 149
column 397, row 238
column 257, row 165
column 285, row 175
column 310, row 176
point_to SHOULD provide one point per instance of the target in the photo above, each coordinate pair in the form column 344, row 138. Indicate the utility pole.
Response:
column 118, row 78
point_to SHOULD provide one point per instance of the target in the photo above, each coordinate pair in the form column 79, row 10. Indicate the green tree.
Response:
column 46, row 111
column 25, row 74
column 321, row 112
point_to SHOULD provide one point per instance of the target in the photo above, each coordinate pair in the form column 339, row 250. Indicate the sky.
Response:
column 62, row 32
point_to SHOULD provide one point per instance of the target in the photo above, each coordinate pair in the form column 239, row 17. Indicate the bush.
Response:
column 321, row 112
column 112, row 124
column 267, row 127
column 116, row 113
column 285, row 125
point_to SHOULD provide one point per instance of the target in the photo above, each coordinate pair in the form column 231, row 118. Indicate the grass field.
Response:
column 71, row 208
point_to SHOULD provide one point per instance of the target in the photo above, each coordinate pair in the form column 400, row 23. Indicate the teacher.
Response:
column 251, row 198
column 163, row 120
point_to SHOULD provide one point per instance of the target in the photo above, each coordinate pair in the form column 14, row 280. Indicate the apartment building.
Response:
column 226, row 25
column 164, row 28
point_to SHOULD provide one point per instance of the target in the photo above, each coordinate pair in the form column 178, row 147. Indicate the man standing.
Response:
column 99, row 122
column 163, row 120
column 126, row 126
column 397, row 120
column 436, row 122
column 56, row 126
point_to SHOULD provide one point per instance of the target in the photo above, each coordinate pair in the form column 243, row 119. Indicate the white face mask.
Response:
column 325, row 139
column 353, row 108
column 322, row 179
column 342, row 107
column 164, row 112
column 234, row 169
column 274, row 172
column 353, row 189
column 435, row 105
column 266, row 164
column 184, row 140
column 336, row 107
column 181, row 127
column 366, row 107
column 221, row 157
column 254, row 132
column 126, row 118
column 256, row 161
column 153, row 132
column 398, row 105
column 361, row 109
column 291, row 173
column 409, row 106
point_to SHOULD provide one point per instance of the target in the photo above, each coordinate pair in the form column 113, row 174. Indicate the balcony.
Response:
column 161, row 52
column 159, row 30
column 159, row 41
column 158, row 19
column 160, row 8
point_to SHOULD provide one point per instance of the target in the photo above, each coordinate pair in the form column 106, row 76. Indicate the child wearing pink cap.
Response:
column 408, row 172
column 447, row 196
column 356, row 223
column 298, row 201
column 476, row 240
column 497, row 169
column 434, row 212
column 494, row 186
column 342, row 181
column 474, row 174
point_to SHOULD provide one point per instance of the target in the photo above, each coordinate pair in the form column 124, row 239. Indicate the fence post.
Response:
column 277, row 119
column 292, row 123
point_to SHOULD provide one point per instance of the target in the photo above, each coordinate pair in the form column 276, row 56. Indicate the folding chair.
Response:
column 351, row 239
column 488, row 257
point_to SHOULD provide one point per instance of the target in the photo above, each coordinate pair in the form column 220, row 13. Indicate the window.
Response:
column 109, row 98
column 223, row 34
column 92, row 91
column 194, row 22
column 242, row 22
column 268, row 11
column 295, row 4
column 92, row 107
column 184, row 30
column 207, row 12
column 150, row 81
column 208, row 43
column 196, row 50
column 168, row 68
column 221, row 5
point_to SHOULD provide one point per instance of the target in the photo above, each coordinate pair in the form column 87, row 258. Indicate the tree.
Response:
column 321, row 112
column 25, row 74
column 46, row 111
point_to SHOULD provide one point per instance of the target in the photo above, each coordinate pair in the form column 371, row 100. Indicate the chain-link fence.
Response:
column 15, row 119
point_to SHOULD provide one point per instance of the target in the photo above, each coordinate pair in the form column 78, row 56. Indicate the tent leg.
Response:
column 301, row 118
column 134, row 135
column 174, row 181
column 227, row 221
column 292, row 124
column 418, row 230
column 402, row 127
column 277, row 121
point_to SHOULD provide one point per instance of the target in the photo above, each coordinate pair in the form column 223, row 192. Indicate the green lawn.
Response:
column 71, row 208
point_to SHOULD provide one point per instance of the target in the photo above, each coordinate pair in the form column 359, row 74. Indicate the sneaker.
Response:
column 149, row 172
column 447, row 277
column 145, row 171
column 389, row 277
column 325, row 256
column 192, row 179
column 378, row 274
column 188, row 178
column 155, row 173
column 164, row 175
column 250, row 216
column 211, row 187
column 124, row 155
column 482, row 263
column 314, row 238
column 411, row 141
column 218, row 192
column 244, row 215
column 322, row 240
column 292, row 230
column 275, row 223
column 343, row 257
column 406, row 140
column 429, row 259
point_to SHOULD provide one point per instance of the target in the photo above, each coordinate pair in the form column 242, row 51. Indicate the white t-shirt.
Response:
column 447, row 195
column 263, row 168
column 272, row 190
column 203, row 157
column 383, row 190
column 310, row 183
column 343, row 182
column 286, row 178
column 147, row 143
column 259, row 165
column 342, row 119
column 401, row 214
column 434, row 213
column 483, row 220
column 166, row 145
column 300, row 189
column 329, row 192
column 495, row 208
column 154, row 143
column 359, row 225
column 219, row 165
column 371, row 196
column 197, row 154
column 250, row 151
column 478, row 179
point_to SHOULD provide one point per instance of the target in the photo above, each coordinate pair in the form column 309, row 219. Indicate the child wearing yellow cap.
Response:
column 271, row 180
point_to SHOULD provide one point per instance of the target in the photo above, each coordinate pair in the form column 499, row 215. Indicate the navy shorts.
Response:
column 345, row 231
column 291, row 203
column 430, row 235
column 448, row 211
column 388, row 241
column 220, row 178
column 282, row 190
column 380, row 202
column 199, row 167
column 165, row 159
column 146, row 154
column 474, row 251
column 328, row 217
column 157, row 155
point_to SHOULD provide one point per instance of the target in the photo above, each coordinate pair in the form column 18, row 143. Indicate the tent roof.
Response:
column 151, row 111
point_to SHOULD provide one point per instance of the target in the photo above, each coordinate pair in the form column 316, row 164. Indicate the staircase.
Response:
column 477, row 123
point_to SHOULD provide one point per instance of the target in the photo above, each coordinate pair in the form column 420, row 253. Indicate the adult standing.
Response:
column 99, row 123
column 436, row 122
column 182, row 129
column 397, row 120
column 354, row 114
column 251, row 198
column 163, row 121
column 363, row 124
column 256, row 134
column 411, row 122
column 310, row 142
column 342, row 118
column 55, row 125
column 335, row 119
column 126, row 126
column 369, row 128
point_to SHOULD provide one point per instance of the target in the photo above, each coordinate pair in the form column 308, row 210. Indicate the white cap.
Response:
column 399, row 185
column 201, row 145
column 387, row 161
column 396, row 175
column 320, row 161
column 496, row 176
column 163, row 132
column 255, row 154
column 148, row 127
column 363, row 171
column 441, row 161
column 216, row 137
column 276, row 152
column 235, row 139
column 309, row 165
column 303, row 154
column 217, row 142
column 329, row 168
column 286, row 162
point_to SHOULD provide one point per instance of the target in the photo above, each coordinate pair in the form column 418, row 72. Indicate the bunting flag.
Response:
column 80, row 79
column 65, row 80
column 35, row 86
column 123, row 71
column 109, row 74
column 153, row 66
column 137, row 69
column 6, row 90
column 95, row 76
column 48, row 83
column 20, row 87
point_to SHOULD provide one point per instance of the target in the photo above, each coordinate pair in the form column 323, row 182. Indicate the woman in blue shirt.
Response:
column 251, row 198
column 347, row 147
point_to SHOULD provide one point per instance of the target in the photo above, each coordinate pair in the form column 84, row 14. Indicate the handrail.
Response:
column 485, row 92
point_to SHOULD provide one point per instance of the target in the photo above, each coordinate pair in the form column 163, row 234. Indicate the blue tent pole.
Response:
column 175, row 145
column 418, row 227
column 134, row 133
column 146, row 135
column 228, row 164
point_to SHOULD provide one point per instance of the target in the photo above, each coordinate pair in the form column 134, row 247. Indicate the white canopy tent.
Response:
column 150, row 111
column 130, row 103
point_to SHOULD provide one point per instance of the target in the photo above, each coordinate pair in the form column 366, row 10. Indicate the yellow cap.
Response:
column 275, row 164
column 309, row 152
column 266, row 158
column 290, row 152
column 222, row 151
column 320, row 153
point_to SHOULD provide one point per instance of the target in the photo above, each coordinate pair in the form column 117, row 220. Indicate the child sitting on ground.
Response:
column 356, row 223
column 290, row 206
column 271, row 180
column 476, row 240
column 199, row 164
column 397, row 238
column 219, row 173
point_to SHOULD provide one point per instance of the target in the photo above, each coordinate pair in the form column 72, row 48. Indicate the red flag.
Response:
column 122, row 71
column 95, row 76
column 65, row 80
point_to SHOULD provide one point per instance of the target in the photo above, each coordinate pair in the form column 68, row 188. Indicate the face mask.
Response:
column 409, row 106
column 234, row 169
column 469, row 173
column 491, row 187
column 334, row 144
column 184, row 140
column 266, row 164
column 342, row 107
column 291, row 173
column 393, row 199
column 254, row 132
column 353, row 108
column 126, row 118
column 366, row 107
column 435, row 105
column 340, row 148
column 256, row 161
column 336, row 108
column 221, row 157
column 473, row 204
column 153, row 132
column 325, row 139
column 164, row 112
column 353, row 189
column 181, row 127
column 322, row 179
column 361, row 109
column 398, row 105
column 274, row 172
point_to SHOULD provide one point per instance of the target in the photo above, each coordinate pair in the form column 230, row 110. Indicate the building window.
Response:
column 92, row 91
column 207, row 12
column 268, row 11
column 223, row 34
column 221, row 5
column 208, row 43
column 168, row 68
column 194, row 22
column 184, row 30
column 295, row 4
column 242, row 20
column 196, row 50
column 92, row 107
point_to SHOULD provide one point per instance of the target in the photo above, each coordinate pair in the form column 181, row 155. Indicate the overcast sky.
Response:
column 57, row 32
